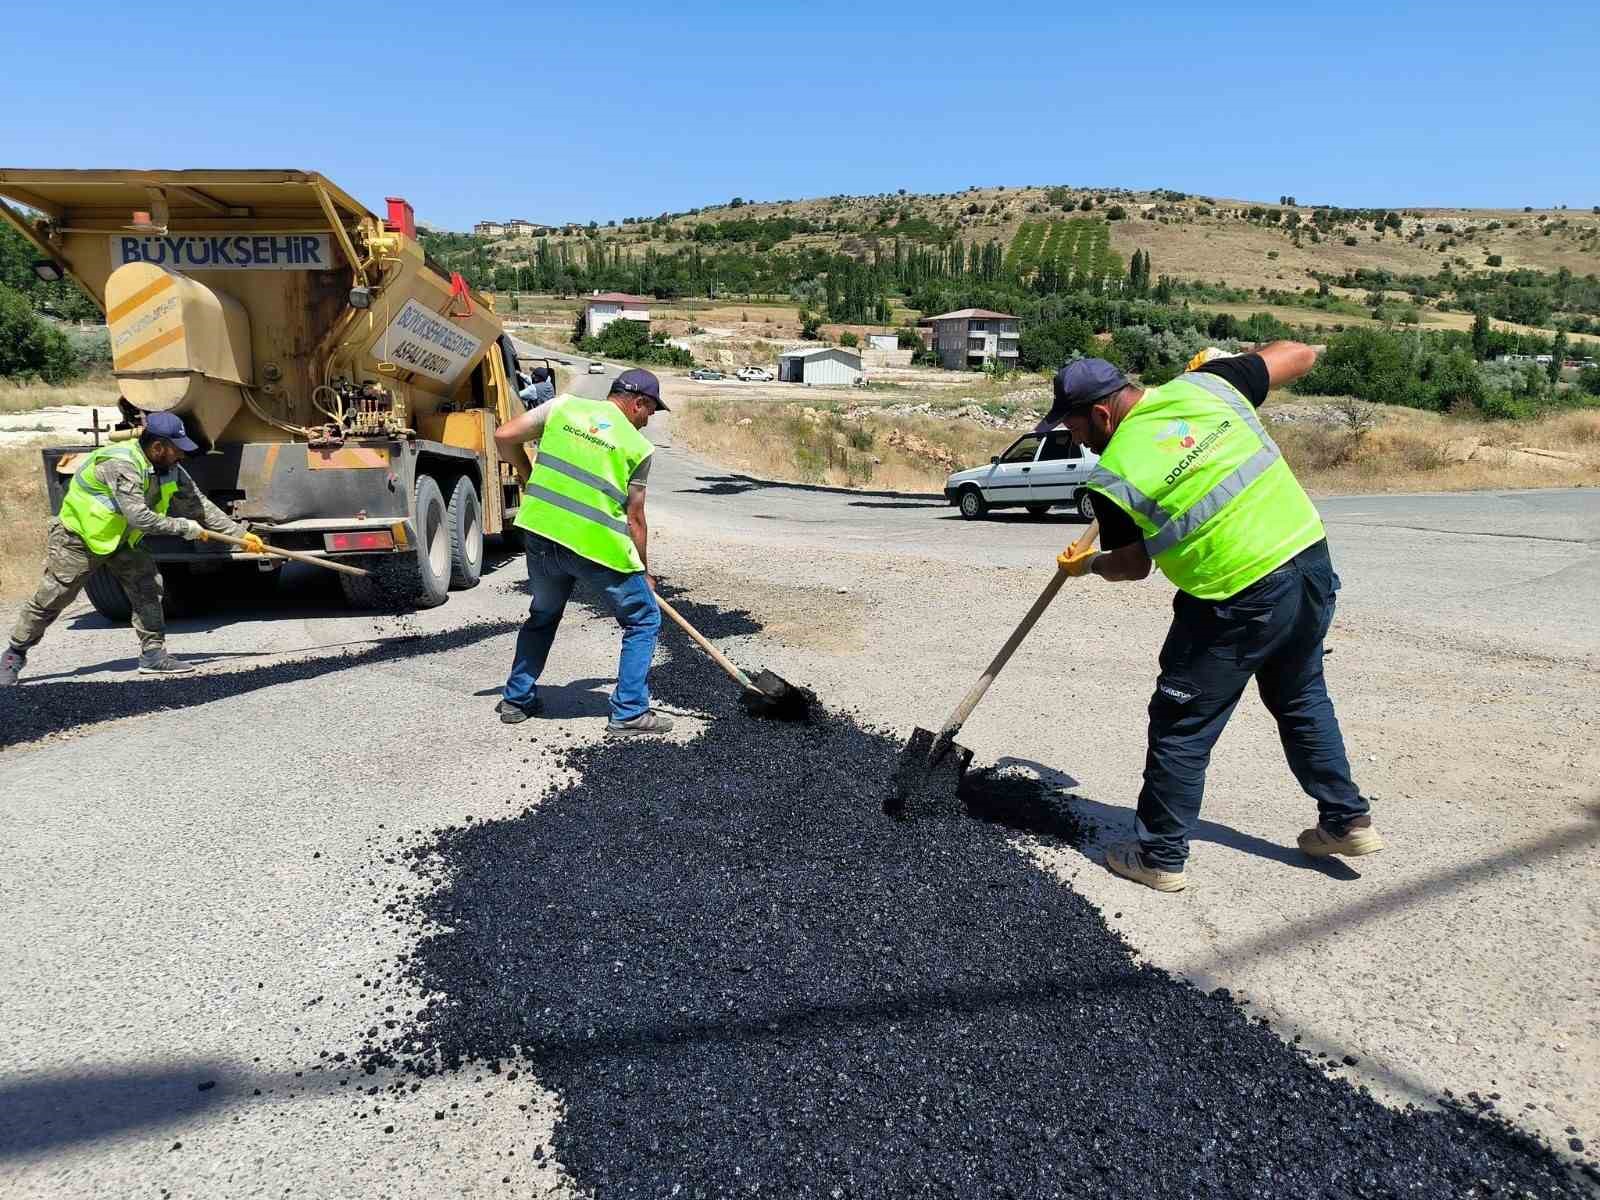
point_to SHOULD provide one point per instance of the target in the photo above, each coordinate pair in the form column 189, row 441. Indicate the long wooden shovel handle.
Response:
column 294, row 554
column 964, row 709
column 721, row 659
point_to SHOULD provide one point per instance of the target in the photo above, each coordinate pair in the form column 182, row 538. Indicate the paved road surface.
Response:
column 195, row 896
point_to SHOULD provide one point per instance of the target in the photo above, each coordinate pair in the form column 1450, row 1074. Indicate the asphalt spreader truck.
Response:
column 344, row 387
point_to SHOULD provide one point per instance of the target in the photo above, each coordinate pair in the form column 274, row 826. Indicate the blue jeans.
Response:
column 552, row 570
column 1272, row 632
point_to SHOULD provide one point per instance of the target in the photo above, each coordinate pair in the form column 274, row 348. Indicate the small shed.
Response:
column 883, row 341
column 820, row 365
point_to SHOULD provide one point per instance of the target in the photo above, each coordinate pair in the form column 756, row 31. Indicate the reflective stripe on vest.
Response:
column 1202, row 550
column 576, row 494
column 90, row 510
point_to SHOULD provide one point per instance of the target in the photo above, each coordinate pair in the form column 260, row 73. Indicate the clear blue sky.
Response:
column 572, row 111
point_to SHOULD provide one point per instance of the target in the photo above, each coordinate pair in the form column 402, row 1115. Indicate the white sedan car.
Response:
column 754, row 374
column 1036, row 472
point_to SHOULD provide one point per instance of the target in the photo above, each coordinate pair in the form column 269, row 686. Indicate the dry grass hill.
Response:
column 1243, row 243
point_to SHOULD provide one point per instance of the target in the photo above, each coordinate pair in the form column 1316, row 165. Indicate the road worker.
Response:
column 120, row 494
column 582, row 517
column 1190, row 481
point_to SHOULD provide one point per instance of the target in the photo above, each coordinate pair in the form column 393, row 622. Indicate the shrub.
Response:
column 1116, row 213
column 849, row 339
column 31, row 347
column 1350, row 241
column 907, row 338
column 1494, row 260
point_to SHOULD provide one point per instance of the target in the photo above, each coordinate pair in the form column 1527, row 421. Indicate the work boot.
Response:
column 515, row 714
column 11, row 664
column 1125, row 860
column 649, row 721
column 159, row 662
column 1356, row 839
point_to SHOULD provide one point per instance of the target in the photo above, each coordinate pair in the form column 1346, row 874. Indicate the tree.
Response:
column 810, row 325
column 1116, row 213
column 30, row 346
column 848, row 338
column 1086, row 204
column 1480, row 335
column 1558, row 354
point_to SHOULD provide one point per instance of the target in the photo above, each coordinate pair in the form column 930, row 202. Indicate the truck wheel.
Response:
column 415, row 578
column 465, row 521
column 972, row 503
column 1038, row 510
column 107, row 596
column 1085, row 505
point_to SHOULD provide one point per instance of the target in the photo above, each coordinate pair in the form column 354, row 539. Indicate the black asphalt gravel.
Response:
column 743, row 979
column 37, row 707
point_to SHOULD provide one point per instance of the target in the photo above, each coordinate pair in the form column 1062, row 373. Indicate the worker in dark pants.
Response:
column 1189, row 481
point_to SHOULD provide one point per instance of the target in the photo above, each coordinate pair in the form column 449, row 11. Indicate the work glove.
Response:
column 252, row 543
column 193, row 531
column 1076, row 562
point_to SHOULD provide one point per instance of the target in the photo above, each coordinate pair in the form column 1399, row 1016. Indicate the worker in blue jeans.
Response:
column 552, row 571
column 583, row 518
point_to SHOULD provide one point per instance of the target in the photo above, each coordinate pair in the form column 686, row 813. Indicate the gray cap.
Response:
column 1081, row 383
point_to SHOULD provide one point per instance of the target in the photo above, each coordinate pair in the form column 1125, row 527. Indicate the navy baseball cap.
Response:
column 168, row 426
column 1081, row 383
column 640, row 382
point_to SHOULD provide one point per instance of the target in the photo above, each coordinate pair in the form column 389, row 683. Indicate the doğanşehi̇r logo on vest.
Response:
column 1175, row 436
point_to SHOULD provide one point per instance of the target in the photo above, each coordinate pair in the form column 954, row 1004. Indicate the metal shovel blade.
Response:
column 775, row 698
column 927, row 777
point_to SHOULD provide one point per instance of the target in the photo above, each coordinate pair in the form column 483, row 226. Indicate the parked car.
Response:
column 1036, row 472
column 755, row 374
column 596, row 367
column 706, row 373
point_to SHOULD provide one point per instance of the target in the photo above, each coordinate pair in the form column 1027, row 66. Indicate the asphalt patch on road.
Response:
column 30, row 711
column 742, row 979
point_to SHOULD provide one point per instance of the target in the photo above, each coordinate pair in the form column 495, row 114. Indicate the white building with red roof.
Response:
column 602, row 308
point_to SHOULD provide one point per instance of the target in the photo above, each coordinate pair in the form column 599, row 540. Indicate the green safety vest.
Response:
column 577, row 493
column 90, row 510
column 1207, row 486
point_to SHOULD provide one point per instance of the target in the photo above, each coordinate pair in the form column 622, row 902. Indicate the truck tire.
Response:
column 179, row 596
column 107, row 596
column 972, row 503
column 415, row 578
column 464, row 517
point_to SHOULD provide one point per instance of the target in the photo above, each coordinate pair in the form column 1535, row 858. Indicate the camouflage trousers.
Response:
column 68, row 564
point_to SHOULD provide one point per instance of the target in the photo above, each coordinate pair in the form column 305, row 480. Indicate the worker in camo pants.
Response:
column 121, row 493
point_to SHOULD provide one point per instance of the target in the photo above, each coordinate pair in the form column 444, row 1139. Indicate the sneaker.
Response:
column 1358, row 838
column 1125, row 860
column 11, row 664
column 515, row 714
column 159, row 662
column 649, row 721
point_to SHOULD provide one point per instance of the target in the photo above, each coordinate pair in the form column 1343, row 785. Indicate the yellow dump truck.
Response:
column 344, row 387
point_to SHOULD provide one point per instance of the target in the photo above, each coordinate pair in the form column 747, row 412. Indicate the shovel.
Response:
column 765, row 695
column 927, row 753
column 327, row 564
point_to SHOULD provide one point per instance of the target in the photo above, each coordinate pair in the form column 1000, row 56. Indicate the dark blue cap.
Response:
column 168, row 426
column 639, row 382
column 1081, row 383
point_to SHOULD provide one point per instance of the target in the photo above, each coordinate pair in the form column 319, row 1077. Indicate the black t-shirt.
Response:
column 1247, row 373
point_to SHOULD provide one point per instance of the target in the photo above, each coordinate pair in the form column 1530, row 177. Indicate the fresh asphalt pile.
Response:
column 742, row 979
column 38, row 707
